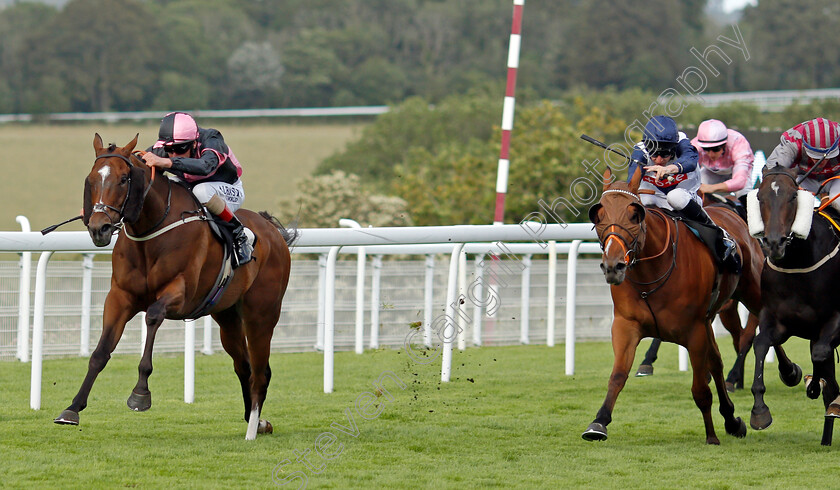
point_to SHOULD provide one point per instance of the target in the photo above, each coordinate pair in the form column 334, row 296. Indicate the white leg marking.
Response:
column 253, row 423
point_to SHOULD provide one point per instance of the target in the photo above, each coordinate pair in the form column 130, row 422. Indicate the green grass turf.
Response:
column 509, row 418
column 44, row 166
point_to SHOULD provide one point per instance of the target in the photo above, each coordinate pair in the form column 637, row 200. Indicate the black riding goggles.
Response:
column 178, row 148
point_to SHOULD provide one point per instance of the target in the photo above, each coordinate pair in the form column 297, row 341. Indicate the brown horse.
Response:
column 742, row 338
column 169, row 274
column 666, row 284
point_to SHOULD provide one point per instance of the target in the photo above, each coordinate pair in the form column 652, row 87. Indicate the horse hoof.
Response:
column 67, row 417
column 644, row 370
column 761, row 420
column 793, row 378
column 595, row 432
column 265, row 427
column 740, row 429
column 730, row 387
column 813, row 391
column 138, row 402
column 713, row 441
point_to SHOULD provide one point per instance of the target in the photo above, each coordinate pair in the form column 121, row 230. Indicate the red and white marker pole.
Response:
column 507, row 114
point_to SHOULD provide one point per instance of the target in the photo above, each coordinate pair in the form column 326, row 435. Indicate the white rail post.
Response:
column 189, row 361
column 552, row 292
column 375, row 286
column 144, row 332
column 525, row 296
column 23, row 297
column 449, row 324
column 571, row 307
column 683, row 355
column 38, row 331
column 429, row 300
column 462, row 293
column 322, row 291
column 208, row 336
column 329, row 322
column 360, row 288
column 87, row 279
column 478, row 290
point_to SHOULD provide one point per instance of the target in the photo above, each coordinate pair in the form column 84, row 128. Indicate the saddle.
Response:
column 712, row 237
column 739, row 205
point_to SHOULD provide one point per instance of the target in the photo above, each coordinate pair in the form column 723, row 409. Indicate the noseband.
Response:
column 611, row 234
column 101, row 207
column 789, row 236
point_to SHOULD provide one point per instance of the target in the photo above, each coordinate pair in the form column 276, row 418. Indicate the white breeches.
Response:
column 232, row 194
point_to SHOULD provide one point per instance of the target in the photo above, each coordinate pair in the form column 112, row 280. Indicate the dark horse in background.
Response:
column 666, row 284
column 799, row 287
column 742, row 339
column 170, row 273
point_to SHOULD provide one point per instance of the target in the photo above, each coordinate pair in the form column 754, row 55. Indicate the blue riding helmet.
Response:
column 660, row 135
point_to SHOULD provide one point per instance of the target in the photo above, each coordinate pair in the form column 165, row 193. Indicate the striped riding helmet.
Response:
column 177, row 127
column 711, row 133
column 820, row 137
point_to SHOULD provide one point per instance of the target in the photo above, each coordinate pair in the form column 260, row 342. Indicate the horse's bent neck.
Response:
column 821, row 242
column 165, row 203
column 658, row 236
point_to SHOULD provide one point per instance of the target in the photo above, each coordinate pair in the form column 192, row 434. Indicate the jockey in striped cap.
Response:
column 804, row 146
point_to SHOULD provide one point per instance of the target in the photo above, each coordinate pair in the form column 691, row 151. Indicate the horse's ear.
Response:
column 134, row 200
column 97, row 142
column 608, row 178
column 636, row 180
column 594, row 213
column 637, row 213
column 131, row 144
column 87, row 203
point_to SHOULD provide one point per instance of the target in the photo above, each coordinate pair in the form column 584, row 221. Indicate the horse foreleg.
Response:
column 646, row 367
column 171, row 299
column 625, row 339
column 118, row 309
column 760, row 418
column 734, row 425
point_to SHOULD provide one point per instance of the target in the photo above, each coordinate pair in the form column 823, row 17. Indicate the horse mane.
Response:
column 290, row 234
column 112, row 147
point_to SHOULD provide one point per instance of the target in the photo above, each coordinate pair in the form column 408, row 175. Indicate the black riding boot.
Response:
column 725, row 248
column 242, row 242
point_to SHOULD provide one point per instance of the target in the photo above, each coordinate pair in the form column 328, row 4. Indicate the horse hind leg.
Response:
column 732, row 322
column 233, row 341
column 259, row 328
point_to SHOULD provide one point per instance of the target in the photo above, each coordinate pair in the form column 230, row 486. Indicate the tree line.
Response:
column 125, row 55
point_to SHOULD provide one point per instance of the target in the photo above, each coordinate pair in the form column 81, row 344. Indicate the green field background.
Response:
column 44, row 166
column 510, row 418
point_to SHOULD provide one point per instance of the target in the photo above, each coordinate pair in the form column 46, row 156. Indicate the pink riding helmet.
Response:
column 711, row 133
column 177, row 127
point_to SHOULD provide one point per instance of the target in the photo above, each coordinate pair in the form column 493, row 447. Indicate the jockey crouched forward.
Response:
column 202, row 160
column 814, row 143
column 672, row 179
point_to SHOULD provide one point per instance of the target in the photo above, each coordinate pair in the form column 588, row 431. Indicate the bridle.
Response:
column 102, row 207
column 789, row 237
column 628, row 247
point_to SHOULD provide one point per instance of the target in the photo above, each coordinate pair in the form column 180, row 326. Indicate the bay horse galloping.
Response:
column 179, row 274
column 799, row 286
column 666, row 284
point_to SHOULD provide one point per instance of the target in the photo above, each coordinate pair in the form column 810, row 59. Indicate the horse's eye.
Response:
column 124, row 179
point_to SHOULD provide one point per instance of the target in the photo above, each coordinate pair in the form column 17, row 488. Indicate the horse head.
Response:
column 113, row 190
column 619, row 222
column 778, row 211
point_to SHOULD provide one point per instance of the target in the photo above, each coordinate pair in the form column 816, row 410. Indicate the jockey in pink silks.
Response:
column 726, row 159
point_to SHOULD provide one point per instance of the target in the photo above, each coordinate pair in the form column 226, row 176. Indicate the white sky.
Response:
column 730, row 5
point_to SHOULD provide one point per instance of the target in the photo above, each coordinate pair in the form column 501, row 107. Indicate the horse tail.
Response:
column 290, row 234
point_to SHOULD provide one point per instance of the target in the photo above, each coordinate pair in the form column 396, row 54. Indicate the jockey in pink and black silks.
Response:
column 671, row 179
column 725, row 159
column 814, row 143
column 201, row 158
